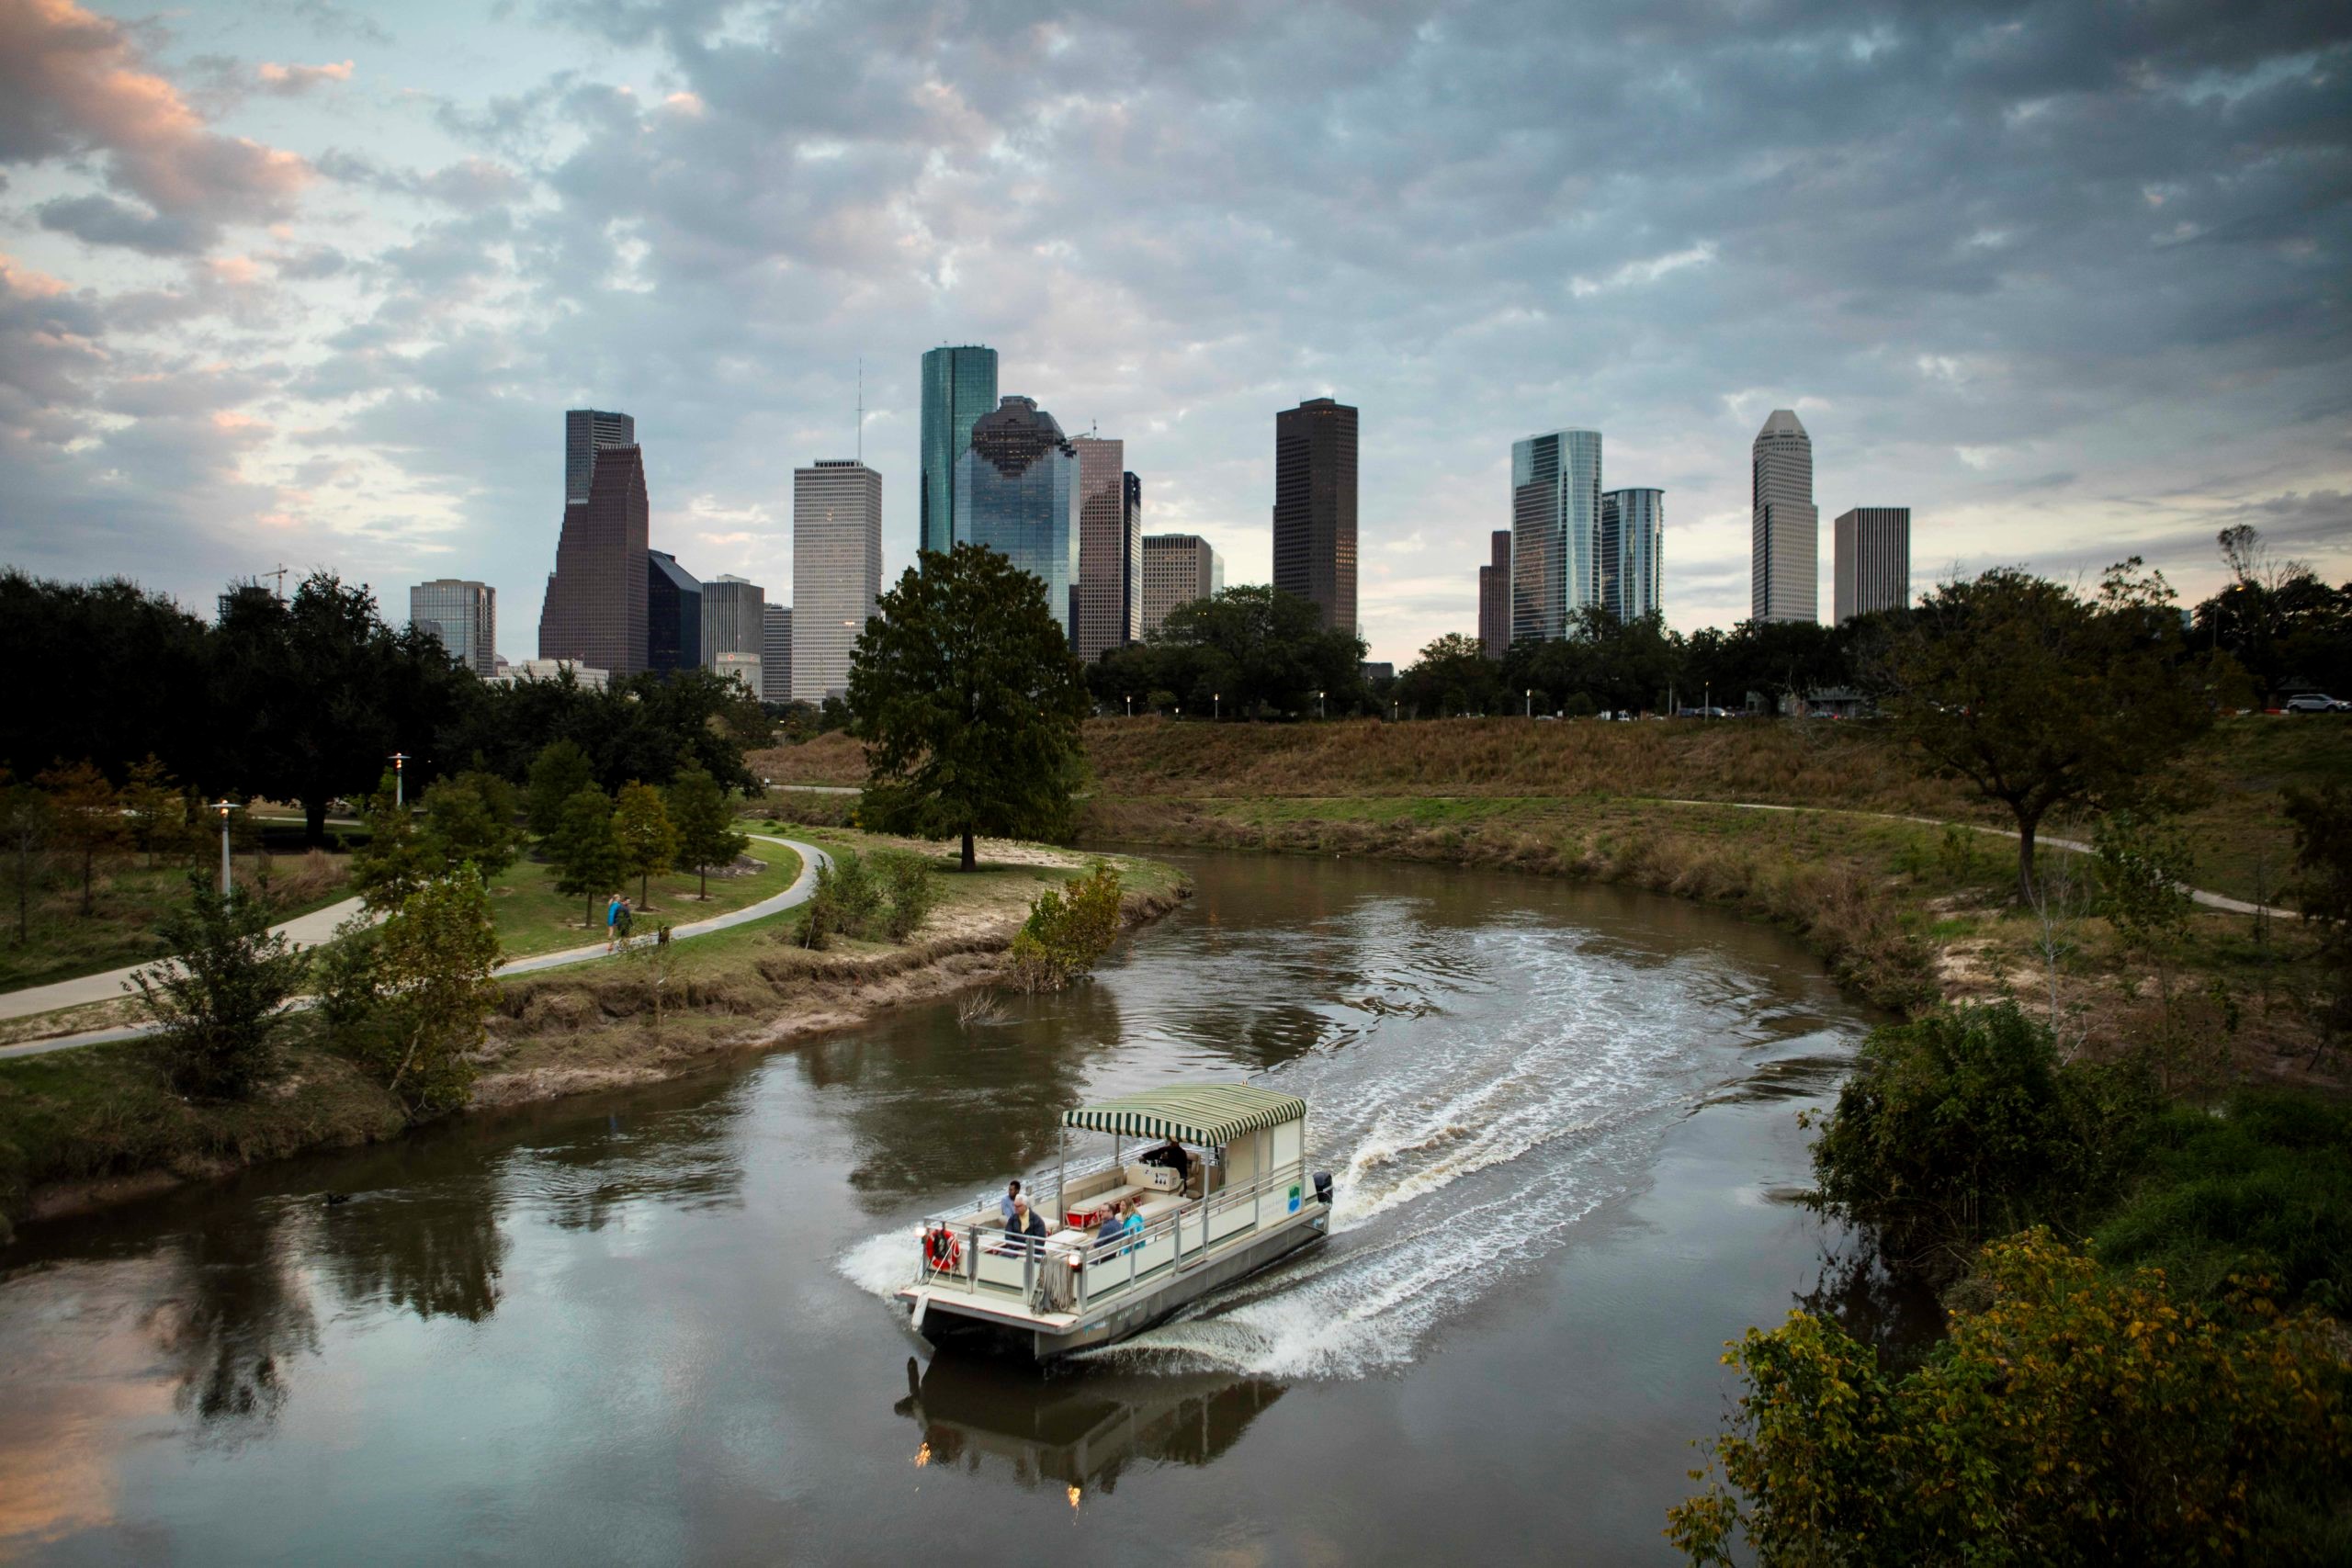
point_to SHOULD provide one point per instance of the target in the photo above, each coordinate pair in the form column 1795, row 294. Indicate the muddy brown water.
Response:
column 651, row 1327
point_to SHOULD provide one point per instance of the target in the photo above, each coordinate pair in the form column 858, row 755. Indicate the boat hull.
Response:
column 948, row 1320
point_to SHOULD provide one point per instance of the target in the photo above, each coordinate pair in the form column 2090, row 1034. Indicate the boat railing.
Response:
column 1057, row 1274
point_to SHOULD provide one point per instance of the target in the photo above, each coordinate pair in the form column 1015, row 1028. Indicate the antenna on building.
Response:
column 861, row 408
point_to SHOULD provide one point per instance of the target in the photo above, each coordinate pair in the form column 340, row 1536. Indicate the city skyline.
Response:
column 321, row 316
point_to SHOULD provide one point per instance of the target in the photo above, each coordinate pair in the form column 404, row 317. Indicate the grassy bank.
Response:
column 127, row 900
column 533, row 917
column 97, row 1123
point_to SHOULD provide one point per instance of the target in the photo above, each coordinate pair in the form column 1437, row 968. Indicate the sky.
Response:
column 311, row 282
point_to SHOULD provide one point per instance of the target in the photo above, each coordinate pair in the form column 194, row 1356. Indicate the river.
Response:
column 650, row 1327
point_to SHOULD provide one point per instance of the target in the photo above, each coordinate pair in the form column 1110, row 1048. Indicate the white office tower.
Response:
column 733, row 619
column 1871, row 556
column 836, row 571
column 1785, row 546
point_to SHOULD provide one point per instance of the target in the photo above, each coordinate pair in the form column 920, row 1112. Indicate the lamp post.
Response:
column 399, row 778
column 1706, row 699
column 224, row 806
column 1131, row 705
column 1395, row 711
column 1217, row 699
column 1531, row 703
column 1318, row 704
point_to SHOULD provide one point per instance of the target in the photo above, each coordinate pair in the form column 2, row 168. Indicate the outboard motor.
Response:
column 1323, row 1187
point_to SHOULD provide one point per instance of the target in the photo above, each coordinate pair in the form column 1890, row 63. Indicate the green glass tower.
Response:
column 958, row 386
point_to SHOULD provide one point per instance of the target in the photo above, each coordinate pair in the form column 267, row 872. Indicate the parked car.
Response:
column 2314, row 702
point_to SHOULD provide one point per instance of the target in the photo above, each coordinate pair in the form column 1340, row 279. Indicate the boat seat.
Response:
column 1152, row 1208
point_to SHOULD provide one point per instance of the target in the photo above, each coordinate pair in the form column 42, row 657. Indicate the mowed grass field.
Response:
column 533, row 917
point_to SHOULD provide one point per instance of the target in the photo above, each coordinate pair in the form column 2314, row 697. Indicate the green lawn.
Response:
column 62, row 943
column 533, row 917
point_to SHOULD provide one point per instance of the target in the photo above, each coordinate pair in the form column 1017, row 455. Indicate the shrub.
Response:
column 1964, row 1124
column 429, row 981
column 217, row 999
column 1067, row 931
column 910, row 885
column 2071, row 1418
column 848, row 902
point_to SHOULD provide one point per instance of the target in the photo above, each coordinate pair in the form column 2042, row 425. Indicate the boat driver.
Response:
column 1171, row 1154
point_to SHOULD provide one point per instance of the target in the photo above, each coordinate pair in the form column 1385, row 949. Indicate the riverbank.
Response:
column 95, row 1125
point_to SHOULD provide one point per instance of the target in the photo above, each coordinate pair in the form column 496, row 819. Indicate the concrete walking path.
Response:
column 302, row 930
column 804, row 886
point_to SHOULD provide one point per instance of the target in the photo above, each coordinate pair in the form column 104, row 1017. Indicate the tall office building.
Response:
column 1871, row 560
column 464, row 615
column 673, row 615
column 731, row 618
column 836, row 571
column 1314, row 508
column 1017, row 493
column 1633, row 540
column 1177, row 569
column 1784, row 545
column 585, row 430
column 776, row 653
column 1493, row 597
column 594, row 612
column 958, row 386
column 1554, row 531
column 1110, row 537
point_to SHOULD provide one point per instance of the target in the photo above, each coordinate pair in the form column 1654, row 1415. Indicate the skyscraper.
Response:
column 1177, row 569
column 1871, row 560
column 958, row 386
column 585, row 430
column 464, row 615
column 836, row 571
column 732, row 622
column 1554, row 531
column 776, row 653
column 1017, row 493
column 1110, row 537
column 1494, row 597
column 1314, row 508
column 673, row 615
column 594, row 612
column 1633, row 540
column 1784, row 547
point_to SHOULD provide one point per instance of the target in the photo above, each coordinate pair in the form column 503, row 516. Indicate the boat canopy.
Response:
column 1190, row 1113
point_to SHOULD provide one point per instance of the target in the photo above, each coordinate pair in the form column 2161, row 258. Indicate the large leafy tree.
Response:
column 645, row 726
column 1453, row 675
column 560, row 771
column 2045, row 700
column 648, row 839
column 707, row 835
column 147, row 691
column 969, row 701
column 586, row 851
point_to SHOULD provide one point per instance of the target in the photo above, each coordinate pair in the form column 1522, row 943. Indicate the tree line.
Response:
column 305, row 698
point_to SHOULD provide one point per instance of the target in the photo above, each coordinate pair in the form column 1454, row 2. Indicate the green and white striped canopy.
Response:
column 1190, row 1113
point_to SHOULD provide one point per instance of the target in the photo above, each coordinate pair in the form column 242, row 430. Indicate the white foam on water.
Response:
column 1468, row 1139
column 883, row 1264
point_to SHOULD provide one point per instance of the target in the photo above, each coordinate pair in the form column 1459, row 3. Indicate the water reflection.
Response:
column 233, row 1317
column 438, row 1253
column 677, row 1155
column 1073, row 1431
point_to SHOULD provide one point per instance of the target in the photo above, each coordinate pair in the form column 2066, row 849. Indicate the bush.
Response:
column 2071, row 1418
column 428, row 993
column 848, row 902
column 217, row 997
column 1964, row 1124
column 1067, row 931
column 911, row 885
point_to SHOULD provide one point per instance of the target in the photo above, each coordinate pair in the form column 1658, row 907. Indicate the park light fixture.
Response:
column 1530, row 702
column 399, row 778
column 224, row 806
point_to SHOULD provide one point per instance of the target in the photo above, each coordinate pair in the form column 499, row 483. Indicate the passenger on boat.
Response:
column 1026, row 1222
column 1111, row 1226
column 1005, row 1204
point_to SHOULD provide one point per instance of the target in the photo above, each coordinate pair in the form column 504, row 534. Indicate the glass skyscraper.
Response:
column 1785, row 541
column 958, row 386
column 585, row 430
column 1314, row 508
column 673, row 614
column 1017, row 493
column 463, row 614
column 1633, row 533
column 1554, row 531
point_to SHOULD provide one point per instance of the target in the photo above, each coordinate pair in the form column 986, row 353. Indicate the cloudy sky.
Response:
column 311, row 281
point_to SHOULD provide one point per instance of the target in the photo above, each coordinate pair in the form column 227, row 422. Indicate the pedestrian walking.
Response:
column 612, row 922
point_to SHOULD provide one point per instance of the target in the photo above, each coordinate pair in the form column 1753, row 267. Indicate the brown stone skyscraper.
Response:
column 1110, row 538
column 1493, row 597
column 596, row 610
column 1314, row 508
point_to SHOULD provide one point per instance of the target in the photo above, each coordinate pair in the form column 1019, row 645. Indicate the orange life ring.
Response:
column 942, row 1253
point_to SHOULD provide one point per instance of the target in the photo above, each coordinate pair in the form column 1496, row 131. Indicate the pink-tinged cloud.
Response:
column 72, row 84
column 287, row 81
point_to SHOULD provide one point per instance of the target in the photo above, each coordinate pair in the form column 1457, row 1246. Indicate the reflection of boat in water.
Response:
column 1222, row 1192
column 1075, row 1432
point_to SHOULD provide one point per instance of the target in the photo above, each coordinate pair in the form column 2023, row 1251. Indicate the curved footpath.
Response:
column 316, row 927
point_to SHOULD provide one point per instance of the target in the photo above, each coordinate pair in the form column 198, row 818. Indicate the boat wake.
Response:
column 1469, row 1138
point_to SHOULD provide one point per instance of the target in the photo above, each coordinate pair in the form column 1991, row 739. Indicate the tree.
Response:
column 2042, row 700
column 470, row 820
column 2143, row 870
column 707, row 835
column 396, row 859
column 1256, row 648
column 586, row 851
column 560, row 771
column 649, row 843
column 1453, row 675
column 26, row 821
column 969, row 701
column 217, row 999
column 88, row 817
column 434, row 957
column 157, row 810
column 152, row 692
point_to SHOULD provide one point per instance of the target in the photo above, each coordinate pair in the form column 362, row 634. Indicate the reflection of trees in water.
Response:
column 1074, row 1430
column 676, row 1153
column 437, row 1253
column 235, row 1315
column 937, row 1102
column 1875, row 1303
